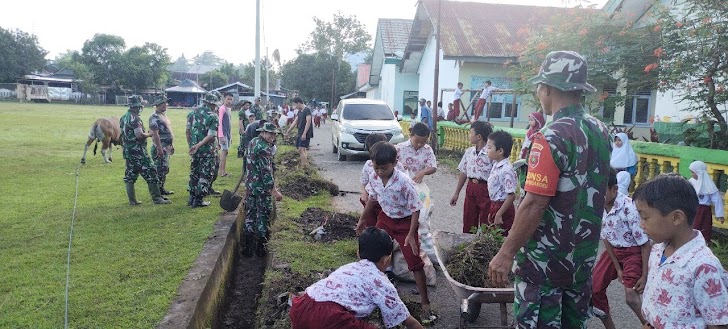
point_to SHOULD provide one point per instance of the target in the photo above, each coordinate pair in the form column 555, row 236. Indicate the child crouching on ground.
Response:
column 396, row 193
column 475, row 168
column 686, row 284
column 501, row 181
column 353, row 291
column 626, row 253
column 707, row 193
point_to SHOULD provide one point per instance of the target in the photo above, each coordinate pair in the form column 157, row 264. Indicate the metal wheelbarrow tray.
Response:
column 471, row 298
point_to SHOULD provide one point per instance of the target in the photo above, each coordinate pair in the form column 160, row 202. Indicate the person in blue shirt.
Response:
column 426, row 113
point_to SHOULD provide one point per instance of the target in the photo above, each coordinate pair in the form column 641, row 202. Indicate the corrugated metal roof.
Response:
column 187, row 86
column 472, row 29
column 395, row 33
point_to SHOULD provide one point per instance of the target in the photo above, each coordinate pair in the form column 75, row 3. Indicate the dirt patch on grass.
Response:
column 288, row 160
column 241, row 299
column 300, row 185
column 336, row 226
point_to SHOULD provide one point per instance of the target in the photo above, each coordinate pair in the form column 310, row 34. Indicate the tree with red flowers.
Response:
column 692, row 60
column 613, row 48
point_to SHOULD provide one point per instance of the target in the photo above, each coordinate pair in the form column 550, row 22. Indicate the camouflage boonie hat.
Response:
column 161, row 99
column 268, row 127
column 564, row 70
column 213, row 98
column 135, row 101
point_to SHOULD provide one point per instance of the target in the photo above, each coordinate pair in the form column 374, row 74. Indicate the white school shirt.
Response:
column 476, row 165
column 688, row 290
column 361, row 287
column 502, row 180
column 715, row 199
column 415, row 160
column 368, row 169
column 487, row 91
column 458, row 93
column 621, row 225
column 399, row 198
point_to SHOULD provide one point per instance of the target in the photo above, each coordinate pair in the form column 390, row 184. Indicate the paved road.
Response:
column 445, row 218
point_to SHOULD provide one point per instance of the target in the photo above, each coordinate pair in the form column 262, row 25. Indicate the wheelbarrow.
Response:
column 471, row 298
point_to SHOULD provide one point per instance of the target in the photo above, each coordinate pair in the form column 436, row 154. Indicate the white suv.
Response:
column 355, row 119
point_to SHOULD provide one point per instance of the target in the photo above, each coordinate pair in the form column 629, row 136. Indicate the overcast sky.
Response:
column 227, row 28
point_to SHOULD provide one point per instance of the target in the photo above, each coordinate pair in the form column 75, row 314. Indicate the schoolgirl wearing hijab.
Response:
column 707, row 193
column 623, row 156
column 536, row 121
column 623, row 181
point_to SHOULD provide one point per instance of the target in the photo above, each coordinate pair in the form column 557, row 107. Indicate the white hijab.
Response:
column 623, row 181
column 623, row 157
column 704, row 185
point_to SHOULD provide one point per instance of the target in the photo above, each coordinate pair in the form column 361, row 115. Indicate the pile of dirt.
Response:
column 300, row 185
column 241, row 300
column 469, row 264
column 336, row 226
column 288, row 160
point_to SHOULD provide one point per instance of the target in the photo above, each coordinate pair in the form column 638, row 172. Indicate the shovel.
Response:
column 230, row 200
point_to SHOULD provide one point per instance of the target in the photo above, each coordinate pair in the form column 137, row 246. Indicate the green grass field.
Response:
column 126, row 262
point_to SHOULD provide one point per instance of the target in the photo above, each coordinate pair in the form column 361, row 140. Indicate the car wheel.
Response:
column 341, row 157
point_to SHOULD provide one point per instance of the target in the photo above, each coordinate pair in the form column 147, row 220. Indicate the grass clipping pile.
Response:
column 469, row 263
column 301, row 183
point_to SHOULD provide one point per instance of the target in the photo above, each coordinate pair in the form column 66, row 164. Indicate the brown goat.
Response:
column 106, row 131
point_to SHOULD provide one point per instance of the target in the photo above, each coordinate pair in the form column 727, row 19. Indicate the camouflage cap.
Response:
column 135, row 101
column 161, row 99
column 268, row 127
column 213, row 98
column 564, row 70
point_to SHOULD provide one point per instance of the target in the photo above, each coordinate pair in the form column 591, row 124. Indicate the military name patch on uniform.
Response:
column 543, row 174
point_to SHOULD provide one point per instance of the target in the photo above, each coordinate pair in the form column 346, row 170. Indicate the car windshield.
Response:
column 367, row 112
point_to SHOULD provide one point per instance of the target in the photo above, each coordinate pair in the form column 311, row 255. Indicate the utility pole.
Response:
column 433, row 136
column 267, row 78
column 257, row 49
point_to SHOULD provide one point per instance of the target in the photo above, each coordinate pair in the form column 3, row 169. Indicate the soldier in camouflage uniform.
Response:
column 242, row 124
column 201, row 131
column 260, row 186
column 555, row 235
column 216, row 166
column 257, row 110
column 135, row 153
column 162, row 138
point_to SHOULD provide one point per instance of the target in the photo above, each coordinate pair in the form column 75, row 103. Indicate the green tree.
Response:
column 310, row 74
column 208, row 58
column 615, row 50
column 142, row 67
column 101, row 53
column 213, row 79
column 85, row 78
column 20, row 54
column 335, row 39
column 692, row 60
column 181, row 64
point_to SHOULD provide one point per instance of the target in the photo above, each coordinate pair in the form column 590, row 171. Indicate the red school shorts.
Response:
column 307, row 313
column 477, row 205
column 398, row 230
column 371, row 220
column 508, row 216
column 630, row 259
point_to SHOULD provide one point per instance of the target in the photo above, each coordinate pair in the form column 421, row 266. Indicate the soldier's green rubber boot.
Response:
column 131, row 194
column 156, row 194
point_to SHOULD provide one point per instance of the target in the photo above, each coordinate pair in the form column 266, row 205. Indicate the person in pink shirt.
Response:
column 626, row 253
column 396, row 193
column 475, row 168
column 415, row 155
column 223, row 132
column 354, row 291
column 686, row 284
